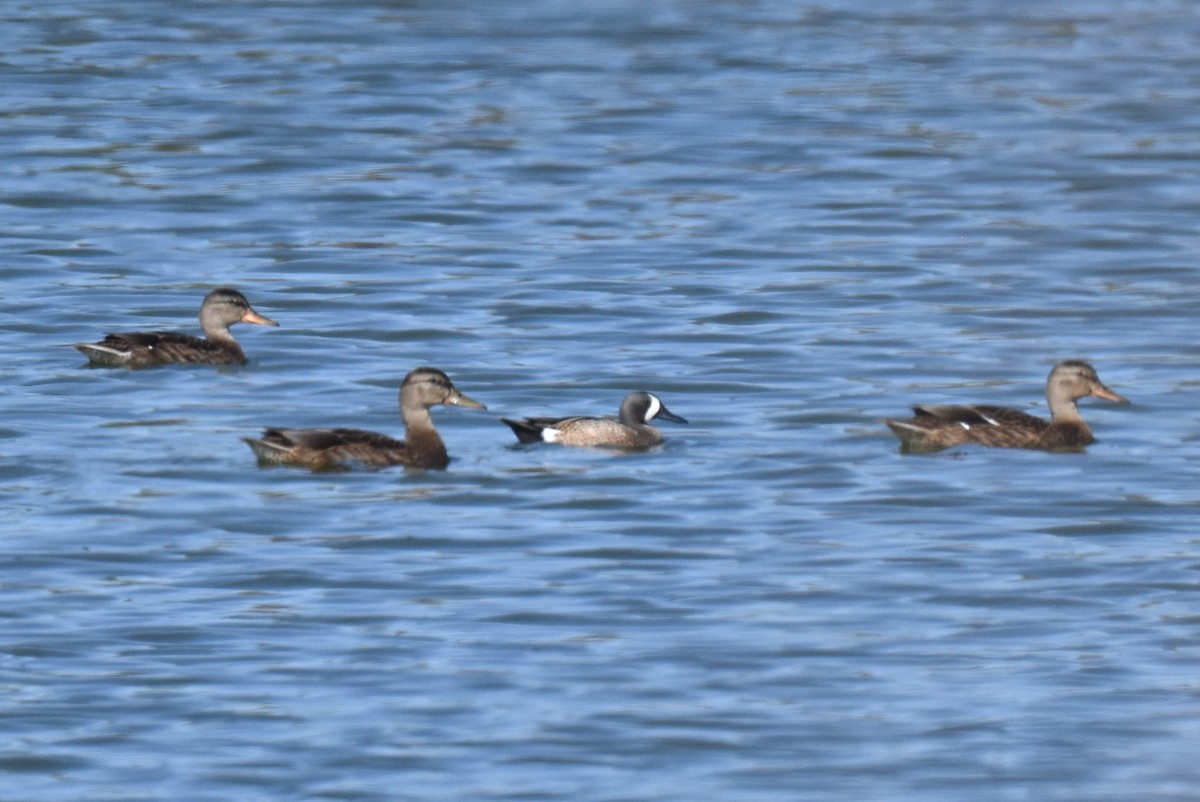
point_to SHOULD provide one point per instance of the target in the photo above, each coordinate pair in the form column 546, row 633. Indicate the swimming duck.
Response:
column 137, row 349
column 630, row 429
column 938, row 427
column 422, row 447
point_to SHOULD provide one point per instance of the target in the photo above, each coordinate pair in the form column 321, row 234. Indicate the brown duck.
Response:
column 631, row 428
column 323, row 449
column 140, row 349
column 938, row 427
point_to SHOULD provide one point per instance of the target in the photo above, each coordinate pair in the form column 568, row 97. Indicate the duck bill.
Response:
column 1100, row 391
column 255, row 317
column 460, row 400
column 667, row 414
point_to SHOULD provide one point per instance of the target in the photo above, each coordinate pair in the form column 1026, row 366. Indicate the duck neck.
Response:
column 420, row 435
column 1064, row 409
column 215, row 330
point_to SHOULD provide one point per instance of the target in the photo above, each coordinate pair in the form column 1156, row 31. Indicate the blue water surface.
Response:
column 788, row 220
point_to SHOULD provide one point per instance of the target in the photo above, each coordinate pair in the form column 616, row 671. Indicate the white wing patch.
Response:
column 551, row 435
column 112, row 355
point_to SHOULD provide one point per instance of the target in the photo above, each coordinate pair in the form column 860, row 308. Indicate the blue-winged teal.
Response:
column 630, row 429
column 138, row 349
column 938, row 427
column 422, row 446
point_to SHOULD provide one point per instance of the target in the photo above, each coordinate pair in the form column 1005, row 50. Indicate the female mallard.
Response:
column 938, row 427
column 138, row 349
column 422, row 446
column 630, row 429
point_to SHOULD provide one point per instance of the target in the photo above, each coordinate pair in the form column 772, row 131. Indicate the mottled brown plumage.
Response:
column 630, row 429
column 938, row 427
column 141, row 349
column 323, row 449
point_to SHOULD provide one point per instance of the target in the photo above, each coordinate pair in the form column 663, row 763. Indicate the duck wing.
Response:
column 976, row 415
column 327, row 448
column 143, row 348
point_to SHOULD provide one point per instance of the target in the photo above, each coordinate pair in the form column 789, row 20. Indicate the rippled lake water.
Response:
column 788, row 220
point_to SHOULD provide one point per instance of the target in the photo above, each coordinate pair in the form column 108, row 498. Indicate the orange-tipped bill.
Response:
column 255, row 317
column 459, row 400
column 1100, row 391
